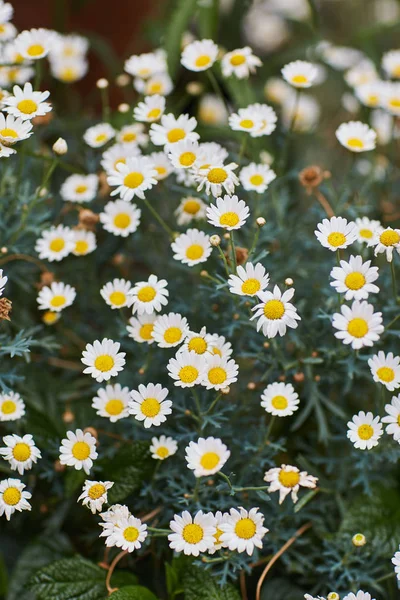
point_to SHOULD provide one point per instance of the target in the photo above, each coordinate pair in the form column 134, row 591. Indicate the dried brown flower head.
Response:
column 88, row 219
column 5, row 309
column 311, row 177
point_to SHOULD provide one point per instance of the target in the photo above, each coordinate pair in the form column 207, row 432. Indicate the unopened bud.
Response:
column 266, row 345
column 260, row 221
column 289, row 281
column 194, row 88
column 210, row 482
column 317, row 378
column 204, row 273
column 102, row 83
column 123, row 108
column 251, row 385
column 60, row 147
column 215, row 240
column 333, row 596
column 359, row 540
column 4, row 250
column 68, row 416
column 226, row 390
column 42, row 193
column 298, row 377
column 123, row 80
column 226, row 236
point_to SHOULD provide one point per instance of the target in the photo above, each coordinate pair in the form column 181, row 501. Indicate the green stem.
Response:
column 384, row 577
column 392, row 322
column 285, row 150
column 224, row 260
column 156, row 530
column 228, row 481
column 233, row 250
column 217, row 89
column 46, row 176
column 246, row 489
column 269, row 430
column 242, row 148
column 158, row 217
column 38, row 74
column 213, row 403
column 255, row 241
column 105, row 104
column 394, row 284
column 196, row 490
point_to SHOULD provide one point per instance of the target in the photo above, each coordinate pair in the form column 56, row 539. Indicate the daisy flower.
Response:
column 219, row 518
column 140, row 328
column 391, row 64
column 354, row 278
column 103, row 359
column 163, row 447
column 275, row 313
column 396, row 562
column 386, row 241
column 147, row 64
column 229, row 213
column 127, row 533
column 240, row 62
column 115, row 513
column 94, row 494
column 243, row 530
column 68, row 70
column 79, row 188
column 20, row 452
column 55, row 243
column 149, row 404
column 302, row 113
column 6, row 12
column 268, row 119
column 161, row 164
column 200, row 55
column 70, row 46
column 300, row 74
column 200, row 342
column 187, row 368
column 27, row 104
column 13, row 129
column 132, row 135
column 192, row 247
column 120, row 217
column 246, row 119
column 99, row 135
column 288, row 480
column 150, row 110
column 360, row 595
column 212, row 110
column 212, row 153
column 150, row 296
column 220, row 372
column 366, row 229
column 386, row 369
column 112, row 402
column 117, row 153
column 116, row 293
column 172, row 130
column 392, row 418
column 170, row 330
column 184, row 154
column 35, row 43
column 356, row 136
column 78, row 450
column 190, row 209
column 12, row 407
column 359, row 325
column 12, row 497
column 256, row 177
column 159, row 84
column 192, row 535
column 56, row 297
column 249, row 280
column 50, row 317
column 370, row 94
column 133, row 178
column 8, row 31
column 280, row 399
column 364, row 430
column 362, row 73
column 206, row 456
column 3, row 281
column 220, row 346
column 217, row 177
column 85, row 242
column 336, row 233
column 277, row 91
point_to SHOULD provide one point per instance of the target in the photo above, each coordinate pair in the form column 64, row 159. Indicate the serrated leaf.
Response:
column 198, row 584
column 177, row 25
column 133, row 592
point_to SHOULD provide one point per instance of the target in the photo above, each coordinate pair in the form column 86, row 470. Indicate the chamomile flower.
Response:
column 396, row 562
column 127, row 533
column 3, row 281
column 386, row 369
column 170, row 330
column 185, row 154
column 288, row 480
column 13, row 129
column 149, row 404
column 391, row 64
column 27, row 104
column 256, row 177
column 229, row 213
column 268, row 118
column 366, row 229
column 192, row 247
column 190, row 209
column 302, row 114
column 364, row 430
column 103, row 359
column 146, row 65
column 35, row 44
column 158, row 84
column 8, row 31
column 360, row 595
column 300, row 74
column 249, row 280
column 79, row 188
column 50, row 318
column 13, row 497
column 361, row 73
column 85, row 242
column 99, row 135
column 116, row 293
column 150, row 296
column 132, row 135
column 56, row 297
column 69, row 46
column 120, row 217
column 192, row 535
column 206, row 456
column 359, row 325
column 150, row 110
column 78, row 450
column 356, row 136
column 12, row 407
column 21, row 452
column 68, row 70
column 187, row 368
column 243, row 530
column 220, row 372
column 94, row 494
column 275, row 313
column 212, row 110
column 117, row 153
column 336, row 233
column 217, row 177
column 219, row 518
column 386, row 241
column 6, row 12
column 112, row 402
column 240, row 62
column 161, row 164
column 220, row 346
column 172, row 130
column 280, row 399
column 246, row 119
column 200, row 342
column 133, row 178
column 355, row 278
column 163, row 447
column 392, row 418
column 277, row 91
column 140, row 328
column 55, row 243
column 370, row 94
column 200, row 55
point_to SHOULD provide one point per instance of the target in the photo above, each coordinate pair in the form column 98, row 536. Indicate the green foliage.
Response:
column 178, row 22
column 133, row 592
column 201, row 585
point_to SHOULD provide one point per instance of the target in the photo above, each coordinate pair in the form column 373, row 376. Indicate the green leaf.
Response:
column 280, row 589
column 198, row 584
column 208, row 19
column 177, row 25
column 133, row 592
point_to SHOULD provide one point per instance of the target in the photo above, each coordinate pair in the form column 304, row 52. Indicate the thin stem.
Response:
column 196, row 490
column 255, row 241
column 157, row 530
column 324, row 203
column 114, row 563
column 251, row 488
column 233, row 250
column 46, row 177
column 384, row 577
column 242, row 148
column 224, row 259
column 105, row 104
column 292, row 123
column 213, row 403
column 269, row 430
column 228, row 481
column 394, row 284
column 157, row 216
column 216, row 87
column 26, row 258
column 38, row 74
column 392, row 322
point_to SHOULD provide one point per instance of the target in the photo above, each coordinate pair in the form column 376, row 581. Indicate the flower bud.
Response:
column 261, row 221
column 122, row 80
column 194, row 88
column 333, row 596
column 359, row 540
column 60, row 147
column 289, row 281
column 102, row 83
column 123, row 108
column 215, row 240
column 226, row 390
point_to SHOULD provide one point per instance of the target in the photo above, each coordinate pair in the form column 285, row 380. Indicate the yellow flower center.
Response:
column 274, row 309
column 58, row 301
column 100, row 138
column 246, row 123
column 217, row 175
column 217, row 351
column 35, row 50
column 27, row 106
column 133, row 180
column 150, row 407
column 81, row 450
column 198, row 345
column 57, row 244
column 398, row 420
column 217, row 535
column 279, row 402
column 8, row 133
column 385, row 373
column 289, row 479
column 237, row 59
column 146, row 294
column 172, row 335
column 194, row 252
column 355, row 143
column 390, row 237
column 245, row 528
column 209, row 460
column 162, row 452
column 192, row 533
column 191, row 206
column 129, row 136
column 394, row 102
column 250, row 286
column 358, row 328
column 119, row 161
column 299, row 79
column 21, row 452
column 114, row 407
column 50, row 317
column 202, row 61
column 188, row 374
column 96, row 491
column 81, row 189
column 122, row 221
column 131, row 534
column 336, row 239
column 143, row 72
column 155, row 88
column 366, row 233
column 396, row 71
column 68, row 74
column 104, row 363
column 187, row 158
column 81, row 247
column 373, row 99
column 355, row 281
column 217, row 375
column 154, row 113
column 8, row 407
column 146, row 331
column 11, row 496
column 365, row 432
column 256, row 179
column 160, row 171
column 117, row 298
column 174, row 135
column 229, row 219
